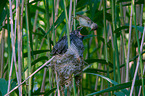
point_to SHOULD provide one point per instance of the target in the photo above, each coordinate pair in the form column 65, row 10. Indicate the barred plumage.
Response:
column 68, row 61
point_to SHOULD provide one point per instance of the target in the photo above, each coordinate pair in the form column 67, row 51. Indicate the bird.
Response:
column 85, row 21
column 76, row 39
column 68, row 60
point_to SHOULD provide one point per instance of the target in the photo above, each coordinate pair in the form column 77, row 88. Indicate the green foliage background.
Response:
column 112, row 52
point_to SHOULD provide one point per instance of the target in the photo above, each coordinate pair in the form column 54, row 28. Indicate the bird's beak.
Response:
column 81, row 28
column 80, row 31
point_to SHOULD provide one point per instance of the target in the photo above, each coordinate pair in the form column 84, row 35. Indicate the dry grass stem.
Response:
column 30, row 75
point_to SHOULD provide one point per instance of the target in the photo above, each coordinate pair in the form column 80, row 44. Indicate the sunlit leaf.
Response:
column 42, row 31
column 139, row 28
column 102, row 61
column 2, row 16
column 118, row 30
column 3, row 86
column 35, row 1
column 119, row 94
column 39, row 59
column 91, row 70
column 2, row 5
column 50, row 91
column 110, row 88
column 118, row 87
column 35, row 52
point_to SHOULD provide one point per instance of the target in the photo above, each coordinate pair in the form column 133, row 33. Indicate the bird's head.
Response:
column 78, row 33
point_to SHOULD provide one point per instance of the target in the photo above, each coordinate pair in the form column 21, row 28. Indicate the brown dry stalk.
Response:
column 30, row 76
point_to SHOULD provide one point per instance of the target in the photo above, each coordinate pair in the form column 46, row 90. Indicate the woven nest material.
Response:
column 67, row 64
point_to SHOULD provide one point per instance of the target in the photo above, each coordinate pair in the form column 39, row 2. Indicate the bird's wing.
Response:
column 79, row 44
column 60, row 47
column 84, row 17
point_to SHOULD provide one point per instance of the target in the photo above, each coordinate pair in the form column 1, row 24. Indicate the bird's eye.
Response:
column 89, row 22
column 66, row 83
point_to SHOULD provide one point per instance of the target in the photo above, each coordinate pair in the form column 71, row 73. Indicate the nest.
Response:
column 67, row 64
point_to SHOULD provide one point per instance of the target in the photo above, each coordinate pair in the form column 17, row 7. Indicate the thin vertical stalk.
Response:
column 67, row 26
column 43, row 82
column 117, row 58
column 69, row 20
column 36, row 18
column 28, row 48
column 115, row 50
column 9, row 42
column 49, row 47
column 10, row 74
column 74, row 13
column 74, row 86
column 141, row 19
column 19, row 45
column 2, row 49
column 21, row 33
column 11, row 21
column 141, row 15
column 13, row 40
column 128, row 53
column 13, row 47
column 105, row 33
column 56, row 9
column 48, row 24
column 53, row 27
column 48, row 39
column 21, row 25
column 99, row 66
column 114, row 66
column 143, row 36
column 58, row 90
column 123, row 56
column 114, row 57
column 139, row 51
